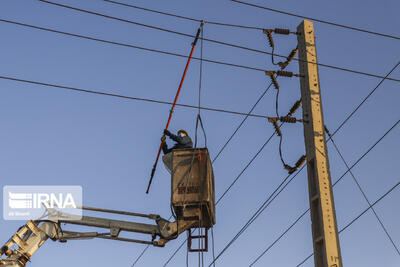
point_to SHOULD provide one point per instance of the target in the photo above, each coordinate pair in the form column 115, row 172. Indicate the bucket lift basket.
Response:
column 192, row 186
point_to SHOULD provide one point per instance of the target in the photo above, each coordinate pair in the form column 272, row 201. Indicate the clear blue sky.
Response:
column 107, row 145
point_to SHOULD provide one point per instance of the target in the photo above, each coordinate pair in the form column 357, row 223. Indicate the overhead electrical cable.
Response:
column 129, row 97
column 184, row 17
column 241, row 123
column 319, row 20
column 334, row 184
column 231, row 185
column 363, row 194
column 269, row 200
column 255, row 215
column 223, row 147
column 290, row 180
column 208, row 40
column 129, row 45
column 251, row 220
column 340, row 126
column 357, row 217
column 141, row 254
column 366, row 98
column 226, row 190
column 279, row 238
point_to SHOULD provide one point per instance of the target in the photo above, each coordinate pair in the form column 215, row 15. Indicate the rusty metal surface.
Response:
column 192, row 185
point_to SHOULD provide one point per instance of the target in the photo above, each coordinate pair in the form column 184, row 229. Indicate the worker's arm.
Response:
column 174, row 137
column 165, row 148
column 177, row 138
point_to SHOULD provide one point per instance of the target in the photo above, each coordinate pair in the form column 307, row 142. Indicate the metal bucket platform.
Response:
column 192, row 186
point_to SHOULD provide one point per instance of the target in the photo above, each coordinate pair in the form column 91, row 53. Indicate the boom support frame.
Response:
column 30, row 237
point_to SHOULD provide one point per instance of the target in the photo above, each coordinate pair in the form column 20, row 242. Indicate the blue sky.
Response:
column 107, row 145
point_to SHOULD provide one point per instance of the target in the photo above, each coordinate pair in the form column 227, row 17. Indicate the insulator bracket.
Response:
column 274, row 122
column 282, row 31
column 289, row 58
column 300, row 161
column 287, row 119
column 295, row 107
column 268, row 32
column 271, row 74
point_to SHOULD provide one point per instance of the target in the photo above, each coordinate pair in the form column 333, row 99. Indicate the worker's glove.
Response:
column 166, row 132
column 163, row 138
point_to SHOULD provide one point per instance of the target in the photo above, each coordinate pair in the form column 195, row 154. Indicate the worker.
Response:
column 182, row 140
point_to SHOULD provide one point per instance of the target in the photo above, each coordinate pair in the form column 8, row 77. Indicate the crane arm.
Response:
column 26, row 241
column 30, row 237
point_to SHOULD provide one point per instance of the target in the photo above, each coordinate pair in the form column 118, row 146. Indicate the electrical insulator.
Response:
column 282, row 31
column 268, row 32
column 292, row 55
column 271, row 74
column 288, row 59
column 288, row 119
column 294, row 108
column 284, row 73
column 283, row 64
column 290, row 169
column 277, row 129
column 300, row 162
column 274, row 81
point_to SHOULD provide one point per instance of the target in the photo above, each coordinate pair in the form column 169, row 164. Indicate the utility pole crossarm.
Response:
column 323, row 215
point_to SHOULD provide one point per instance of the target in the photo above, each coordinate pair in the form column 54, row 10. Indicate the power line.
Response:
column 141, row 254
column 129, row 45
column 160, row 102
column 358, row 217
column 366, row 98
column 176, row 251
column 337, row 181
column 227, row 189
column 266, row 203
column 241, row 123
column 215, row 158
column 319, row 20
column 364, row 195
column 154, row 27
column 236, row 179
column 245, row 168
column 340, row 127
column 240, row 174
column 136, row 98
column 129, row 97
column 279, row 238
column 210, row 40
column 261, row 209
column 184, row 17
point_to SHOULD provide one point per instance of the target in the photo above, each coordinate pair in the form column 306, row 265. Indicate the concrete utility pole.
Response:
column 323, row 215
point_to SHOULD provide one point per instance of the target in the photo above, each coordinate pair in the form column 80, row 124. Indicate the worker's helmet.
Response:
column 182, row 133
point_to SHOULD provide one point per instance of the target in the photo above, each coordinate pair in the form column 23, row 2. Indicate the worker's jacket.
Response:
column 181, row 142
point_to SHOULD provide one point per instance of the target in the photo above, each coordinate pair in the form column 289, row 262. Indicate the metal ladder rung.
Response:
column 191, row 237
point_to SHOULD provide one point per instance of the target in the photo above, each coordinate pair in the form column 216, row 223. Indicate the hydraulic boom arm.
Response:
column 30, row 237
